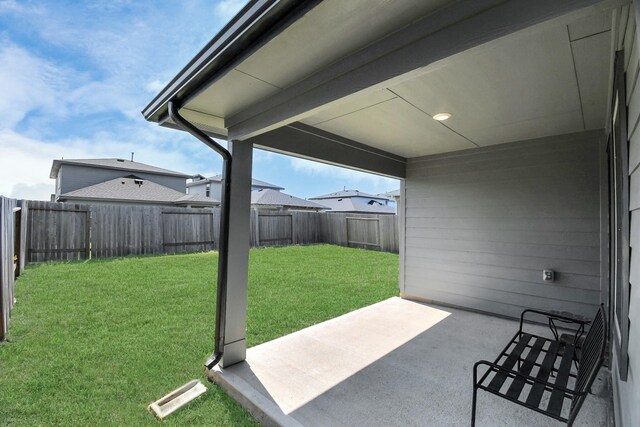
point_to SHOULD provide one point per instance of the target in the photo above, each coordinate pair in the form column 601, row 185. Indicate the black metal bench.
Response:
column 545, row 374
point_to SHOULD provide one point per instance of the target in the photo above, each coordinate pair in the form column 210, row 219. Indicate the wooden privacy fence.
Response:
column 63, row 231
column 12, row 228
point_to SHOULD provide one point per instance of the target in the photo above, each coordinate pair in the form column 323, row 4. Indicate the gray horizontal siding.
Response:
column 481, row 225
column 508, row 260
column 519, row 277
column 628, row 392
column 542, row 225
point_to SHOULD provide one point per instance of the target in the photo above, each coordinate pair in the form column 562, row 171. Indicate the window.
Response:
column 618, row 152
column 207, row 191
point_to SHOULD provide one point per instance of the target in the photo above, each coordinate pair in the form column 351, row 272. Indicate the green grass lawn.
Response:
column 93, row 343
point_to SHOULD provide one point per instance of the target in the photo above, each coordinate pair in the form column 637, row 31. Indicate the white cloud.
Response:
column 101, row 97
column 12, row 6
column 349, row 177
column 28, row 83
column 25, row 163
column 263, row 156
column 32, row 191
column 155, row 86
column 123, row 53
column 226, row 9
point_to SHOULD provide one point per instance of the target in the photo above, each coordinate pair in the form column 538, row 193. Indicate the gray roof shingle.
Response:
column 392, row 194
column 197, row 198
column 345, row 194
column 270, row 197
column 132, row 188
column 218, row 178
column 349, row 205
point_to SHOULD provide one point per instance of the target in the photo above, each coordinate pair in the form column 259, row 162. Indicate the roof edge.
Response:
column 108, row 199
column 55, row 167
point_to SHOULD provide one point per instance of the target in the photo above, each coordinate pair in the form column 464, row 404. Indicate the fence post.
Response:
column 87, row 233
column 24, row 218
column 256, row 226
column 17, row 237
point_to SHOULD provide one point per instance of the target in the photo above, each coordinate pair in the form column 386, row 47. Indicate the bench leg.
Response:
column 473, row 406
column 475, row 392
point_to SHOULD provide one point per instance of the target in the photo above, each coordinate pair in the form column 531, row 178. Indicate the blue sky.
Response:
column 74, row 76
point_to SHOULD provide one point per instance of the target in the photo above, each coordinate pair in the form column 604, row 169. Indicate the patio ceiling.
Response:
column 549, row 79
column 545, row 82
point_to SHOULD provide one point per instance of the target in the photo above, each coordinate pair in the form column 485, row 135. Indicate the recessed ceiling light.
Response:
column 441, row 117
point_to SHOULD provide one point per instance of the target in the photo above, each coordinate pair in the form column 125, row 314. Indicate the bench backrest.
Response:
column 593, row 350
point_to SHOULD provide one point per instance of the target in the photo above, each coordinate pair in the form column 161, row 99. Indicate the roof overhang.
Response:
column 256, row 23
column 356, row 83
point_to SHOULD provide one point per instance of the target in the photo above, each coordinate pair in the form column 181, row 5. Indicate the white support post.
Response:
column 238, row 264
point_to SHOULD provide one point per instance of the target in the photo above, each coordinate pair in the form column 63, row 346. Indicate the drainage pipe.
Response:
column 223, row 247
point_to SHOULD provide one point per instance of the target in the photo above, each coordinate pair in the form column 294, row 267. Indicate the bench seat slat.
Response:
column 557, row 396
column 537, row 390
column 501, row 376
column 518, row 383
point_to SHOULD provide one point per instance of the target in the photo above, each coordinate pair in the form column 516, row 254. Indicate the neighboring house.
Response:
column 536, row 167
column 121, row 181
column 132, row 189
column 212, row 186
column 270, row 199
column 392, row 196
column 73, row 174
column 354, row 201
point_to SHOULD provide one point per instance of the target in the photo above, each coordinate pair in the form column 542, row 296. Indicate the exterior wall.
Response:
column 481, row 226
column 215, row 189
column 198, row 189
column 74, row 177
column 59, row 180
column 627, row 393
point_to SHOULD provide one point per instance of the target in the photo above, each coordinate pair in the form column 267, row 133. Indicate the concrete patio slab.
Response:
column 394, row 363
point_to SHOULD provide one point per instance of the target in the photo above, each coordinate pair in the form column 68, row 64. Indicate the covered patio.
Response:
column 362, row 369
column 512, row 125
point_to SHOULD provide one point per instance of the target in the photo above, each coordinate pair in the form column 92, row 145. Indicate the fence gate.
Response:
column 188, row 231
column 275, row 229
column 57, row 232
column 363, row 232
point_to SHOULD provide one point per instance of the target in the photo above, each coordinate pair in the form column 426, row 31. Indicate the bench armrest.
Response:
column 552, row 317
column 519, row 375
